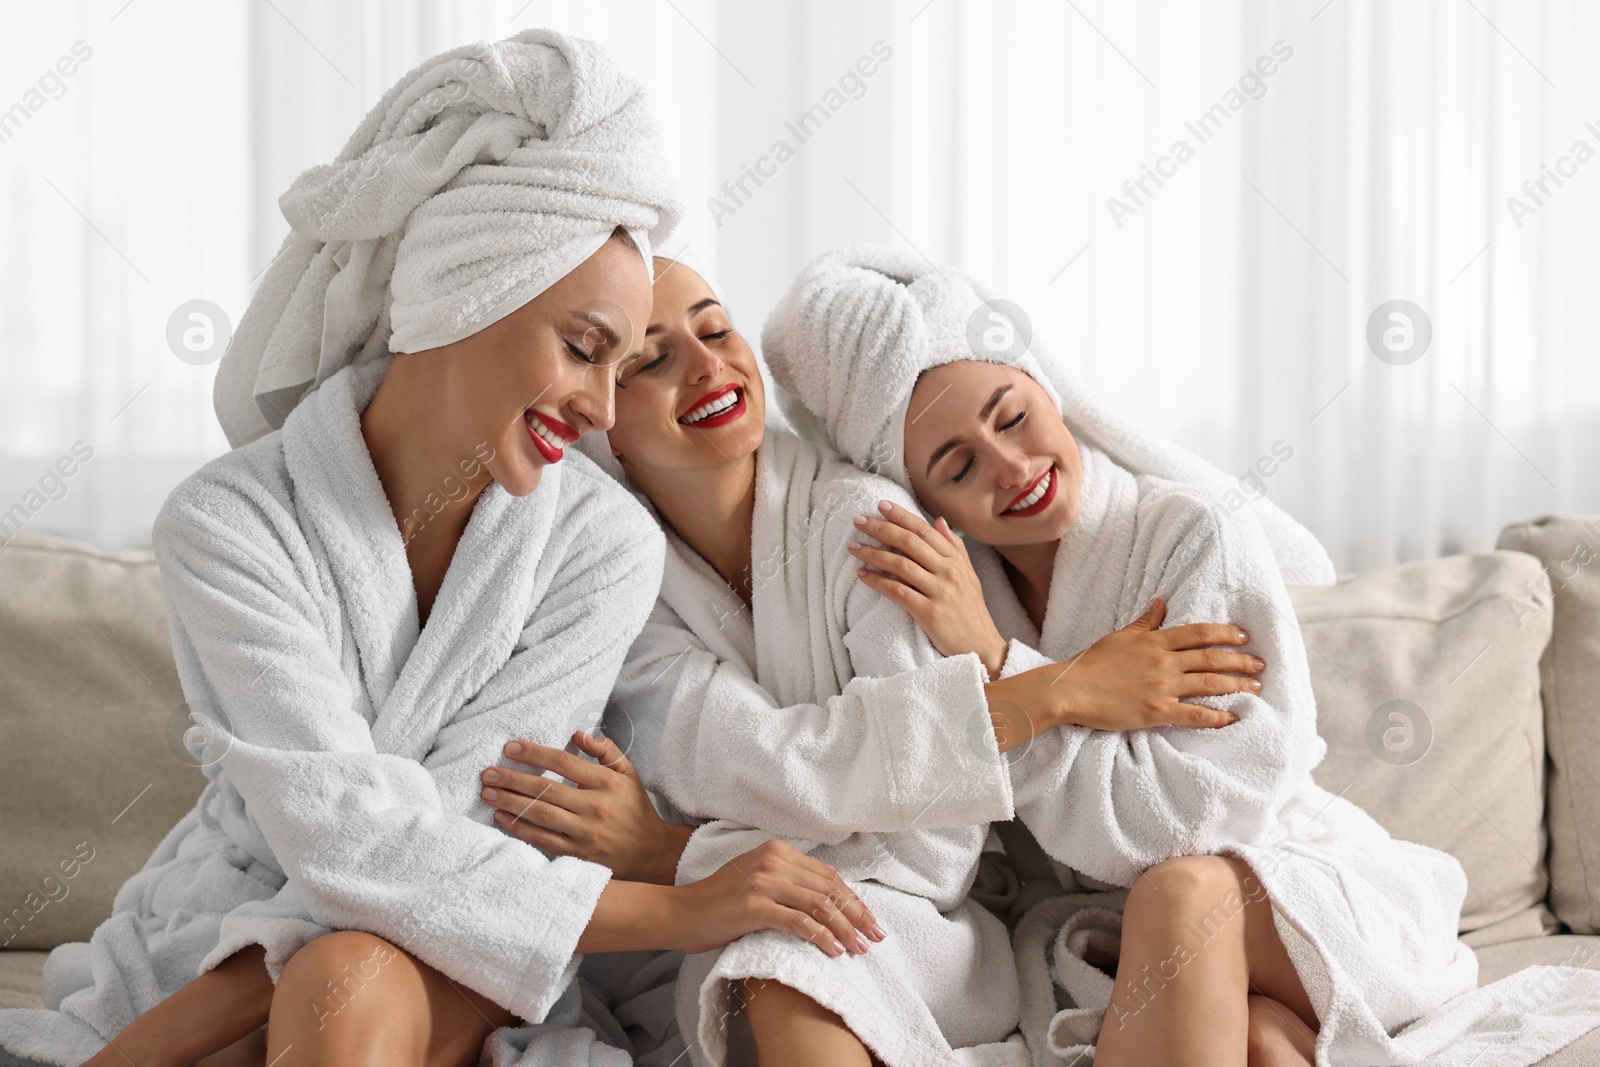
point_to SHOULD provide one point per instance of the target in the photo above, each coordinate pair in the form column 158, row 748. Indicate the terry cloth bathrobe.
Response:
column 342, row 745
column 1370, row 922
column 729, row 712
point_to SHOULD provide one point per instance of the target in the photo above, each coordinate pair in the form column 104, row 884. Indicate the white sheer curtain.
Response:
column 1229, row 302
column 151, row 177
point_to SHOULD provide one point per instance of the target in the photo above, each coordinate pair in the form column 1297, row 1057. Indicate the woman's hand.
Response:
column 771, row 887
column 605, row 816
column 775, row 886
column 1136, row 678
column 925, row 569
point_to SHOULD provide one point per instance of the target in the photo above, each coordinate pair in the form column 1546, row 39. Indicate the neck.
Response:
column 711, row 509
column 1029, row 567
column 417, row 459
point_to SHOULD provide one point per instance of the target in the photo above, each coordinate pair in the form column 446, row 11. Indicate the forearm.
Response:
column 634, row 915
column 204, row 1016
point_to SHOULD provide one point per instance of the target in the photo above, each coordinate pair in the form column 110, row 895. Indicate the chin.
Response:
column 519, row 482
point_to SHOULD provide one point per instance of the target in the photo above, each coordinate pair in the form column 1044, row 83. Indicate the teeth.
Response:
column 716, row 407
column 1036, row 495
column 539, row 428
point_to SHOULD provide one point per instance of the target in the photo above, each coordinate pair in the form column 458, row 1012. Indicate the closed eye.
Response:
column 965, row 467
column 578, row 353
column 1016, row 421
column 719, row 335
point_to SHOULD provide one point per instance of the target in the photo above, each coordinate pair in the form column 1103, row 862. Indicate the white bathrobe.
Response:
column 345, row 745
column 1369, row 922
column 732, row 715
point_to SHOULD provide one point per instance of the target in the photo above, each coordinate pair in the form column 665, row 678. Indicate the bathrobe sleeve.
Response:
column 371, row 841
column 906, row 745
column 1113, row 803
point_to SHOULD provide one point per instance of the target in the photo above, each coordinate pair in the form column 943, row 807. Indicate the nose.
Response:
column 1011, row 467
column 701, row 362
column 595, row 402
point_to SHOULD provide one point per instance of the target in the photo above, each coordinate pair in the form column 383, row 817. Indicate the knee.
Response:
column 332, row 972
column 1188, row 888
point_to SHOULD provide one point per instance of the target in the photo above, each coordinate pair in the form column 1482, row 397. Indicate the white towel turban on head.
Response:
column 481, row 178
column 861, row 324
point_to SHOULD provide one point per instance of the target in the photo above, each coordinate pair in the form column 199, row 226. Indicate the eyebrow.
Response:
column 597, row 321
column 955, row 442
column 694, row 309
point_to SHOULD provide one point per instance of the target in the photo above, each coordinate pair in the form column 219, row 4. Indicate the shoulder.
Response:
column 246, row 494
column 604, row 521
column 842, row 491
column 1183, row 524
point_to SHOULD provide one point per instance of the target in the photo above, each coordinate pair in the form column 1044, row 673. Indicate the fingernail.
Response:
column 861, row 945
column 1258, row 663
column 513, row 747
column 838, row 947
column 1255, row 683
column 1243, row 636
column 884, row 506
column 854, row 546
column 502, row 816
column 860, row 520
column 490, row 794
column 878, row 931
column 491, row 775
column 1232, row 718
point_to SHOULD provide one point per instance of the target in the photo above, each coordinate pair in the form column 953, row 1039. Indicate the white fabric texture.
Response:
column 735, row 714
column 861, row 324
column 343, row 745
column 1370, row 922
column 480, row 179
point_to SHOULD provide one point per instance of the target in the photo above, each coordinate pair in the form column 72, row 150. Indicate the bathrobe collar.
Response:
column 1099, row 542
column 480, row 610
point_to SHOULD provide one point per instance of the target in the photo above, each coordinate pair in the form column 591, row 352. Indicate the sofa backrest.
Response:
column 91, row 776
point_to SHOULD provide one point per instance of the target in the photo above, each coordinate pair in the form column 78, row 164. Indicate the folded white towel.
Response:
column 480, row 179
column 345, row 742
column 860, row 325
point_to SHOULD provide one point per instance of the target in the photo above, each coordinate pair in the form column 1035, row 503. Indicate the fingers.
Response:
column 897, row 591
column 530, row 810
column 516, row 784
column 1151, row 619
column 817, row 916
column 894, row 564
column 907, row 542
column 856, row 913
column 605, row 750
column 535, row 835
column 1200, row 634
column 572, row 768
column 1204, row 717
column 912, row 523
column 1219, row 659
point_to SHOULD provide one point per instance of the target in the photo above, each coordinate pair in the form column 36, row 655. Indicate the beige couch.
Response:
column 1460, row 698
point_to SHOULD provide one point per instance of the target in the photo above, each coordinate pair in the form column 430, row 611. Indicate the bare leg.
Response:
column 352, row 999
column 791, row 1029
column 249, row 1051
column 1278, row 1037
column 1198, row 939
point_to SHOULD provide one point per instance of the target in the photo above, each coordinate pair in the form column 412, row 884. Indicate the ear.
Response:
column 615, row 452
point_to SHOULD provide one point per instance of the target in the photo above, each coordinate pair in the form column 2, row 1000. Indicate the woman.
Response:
column 763, row 661
column 366, row 603
column 1266, row 918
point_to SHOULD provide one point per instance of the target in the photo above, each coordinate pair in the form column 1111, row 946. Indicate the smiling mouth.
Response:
column 1036, row 497
column 716, row 408
column 550, row 436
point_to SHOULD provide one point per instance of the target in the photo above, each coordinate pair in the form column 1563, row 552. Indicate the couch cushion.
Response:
column 1569, row 548
column 1427, row 688
column 1505, row 959
column 20, row 973
column 90, row 773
